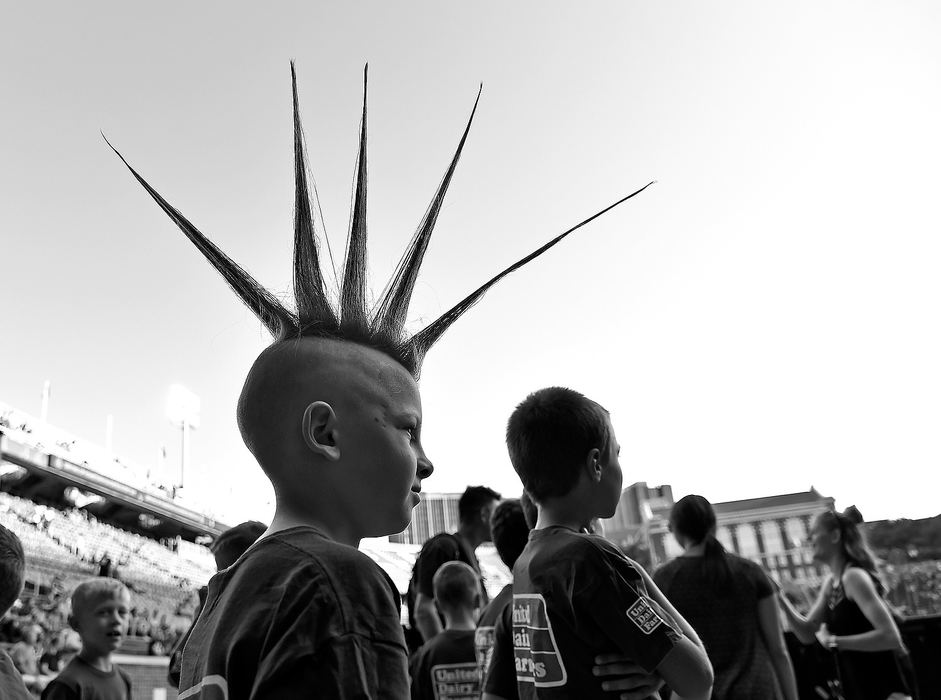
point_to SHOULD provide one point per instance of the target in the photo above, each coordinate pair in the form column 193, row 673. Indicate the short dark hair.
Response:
column 549, row 434
column 232, row 543
column 12, row 568
column 473, row 499
column 509, row 530
column 455, row 585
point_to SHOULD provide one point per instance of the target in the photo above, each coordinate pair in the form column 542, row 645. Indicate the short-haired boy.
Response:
column 100, row 614
column 576, row 596
column 12, row 574
column 445, row 667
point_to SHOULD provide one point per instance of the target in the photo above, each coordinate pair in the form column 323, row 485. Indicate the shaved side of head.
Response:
column 289, row 375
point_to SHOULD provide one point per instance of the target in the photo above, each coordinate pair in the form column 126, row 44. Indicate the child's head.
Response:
column 100, row 614
column 456, row 588
column 232, row 543
column 12, row 569
column 337, row 428
column 510, row 530
column 562, row 445
column 475, row 508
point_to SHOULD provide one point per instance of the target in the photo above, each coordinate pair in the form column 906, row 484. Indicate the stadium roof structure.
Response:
column 47, row 465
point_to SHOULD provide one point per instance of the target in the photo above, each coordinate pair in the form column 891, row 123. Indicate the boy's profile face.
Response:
column 102, row 622
column 383, row 460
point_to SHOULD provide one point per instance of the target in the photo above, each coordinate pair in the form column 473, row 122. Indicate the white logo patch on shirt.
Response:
column 644, row 616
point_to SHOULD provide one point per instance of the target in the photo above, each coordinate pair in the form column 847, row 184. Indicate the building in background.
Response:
column 436, row 513
column 770, row 530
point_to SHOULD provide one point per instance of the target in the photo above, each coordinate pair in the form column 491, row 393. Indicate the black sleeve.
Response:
column 615, row 597
column 501, row 676
column 436, row 552
column 59, row 691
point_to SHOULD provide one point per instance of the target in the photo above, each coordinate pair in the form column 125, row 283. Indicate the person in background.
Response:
column 575, row 595
column 474, row 510
column 12, row 575
column 445, row 667
column 100, row 614
column 26, row 652
column 731, row 604
column 510, row 534
column 850, row 617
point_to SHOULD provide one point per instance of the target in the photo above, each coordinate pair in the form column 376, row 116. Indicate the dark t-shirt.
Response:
column 483, row 636
column 11, row 683
column 727, row 622
column 500, row 678
column 445, row 668
column 576, row 596
column 296, row 615
column 82, row 681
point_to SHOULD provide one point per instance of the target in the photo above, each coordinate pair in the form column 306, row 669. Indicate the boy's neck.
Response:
column 470, row 535
column 459, row 620
column 562, row 512
column 286, row 517
column 100, row 661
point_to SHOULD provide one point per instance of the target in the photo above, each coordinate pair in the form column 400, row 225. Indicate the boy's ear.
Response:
column 593, row 466
column 73, row 623
column 320, row 429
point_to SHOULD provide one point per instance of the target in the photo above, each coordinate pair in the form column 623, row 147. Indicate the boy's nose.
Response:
column 425, row 467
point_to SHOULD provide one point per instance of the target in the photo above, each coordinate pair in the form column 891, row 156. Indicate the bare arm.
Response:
column 686, row 669
column 805, row 627
column 770, row 626
column 885, row 634
column 426, row 616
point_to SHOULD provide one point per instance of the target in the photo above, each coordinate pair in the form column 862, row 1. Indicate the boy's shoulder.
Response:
column 305, row 553
column 447, row 647
column 80, row 676
column 553, row 542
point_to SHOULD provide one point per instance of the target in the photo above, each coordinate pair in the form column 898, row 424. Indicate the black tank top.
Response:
column 864, row 675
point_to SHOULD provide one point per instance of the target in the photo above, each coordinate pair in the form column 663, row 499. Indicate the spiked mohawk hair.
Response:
column 382, row 327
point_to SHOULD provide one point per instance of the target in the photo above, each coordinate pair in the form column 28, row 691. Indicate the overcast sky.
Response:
column 763, row 319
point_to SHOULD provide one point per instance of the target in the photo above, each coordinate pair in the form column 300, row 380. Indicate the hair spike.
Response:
column 278, row 320
column 353, row 293
column 424, row 339
column 394, row 305
column 316, row 315
column 313, row 309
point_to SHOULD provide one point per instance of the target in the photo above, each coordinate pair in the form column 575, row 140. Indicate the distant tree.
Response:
column 918, row 539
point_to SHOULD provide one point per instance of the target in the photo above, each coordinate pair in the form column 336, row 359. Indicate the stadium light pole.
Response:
column 183, row 412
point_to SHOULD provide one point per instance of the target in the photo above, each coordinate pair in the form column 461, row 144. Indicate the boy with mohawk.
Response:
column 332, row 413
column 576, row 597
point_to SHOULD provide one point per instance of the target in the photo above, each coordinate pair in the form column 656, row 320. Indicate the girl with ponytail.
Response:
column 850, row 617
column 730, row 602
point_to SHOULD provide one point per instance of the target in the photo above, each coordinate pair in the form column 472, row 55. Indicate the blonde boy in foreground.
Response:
column 100, row 615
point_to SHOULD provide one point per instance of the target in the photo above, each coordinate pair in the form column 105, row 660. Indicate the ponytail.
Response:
column 694, row 518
